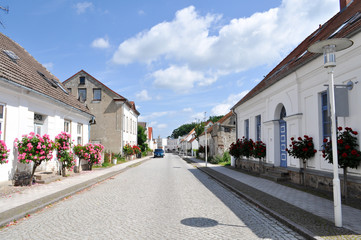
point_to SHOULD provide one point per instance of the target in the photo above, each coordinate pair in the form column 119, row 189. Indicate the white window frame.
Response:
column 67, row 122
column 2, row 122
column 79, row 133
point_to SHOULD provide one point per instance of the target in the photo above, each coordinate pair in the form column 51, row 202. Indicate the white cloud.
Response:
column 261, row 39
column 143, row 95
column 141, row 12
column 199, row 116
column 224, row 107
column 162, row 126
column 145, row 118
column 187, row 110
column 179, row 79
column 83, row 6
column 49, row 65
column 101, row 43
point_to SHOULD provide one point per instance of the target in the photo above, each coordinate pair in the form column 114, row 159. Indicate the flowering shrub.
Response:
column 34, row 148
column 128, row 150
column 65, row 155
column 4, row 152
column 136, row 149
column 259, row 149
column 302, row 148
column 92, row 153
column 348, row 154
column 242, row 147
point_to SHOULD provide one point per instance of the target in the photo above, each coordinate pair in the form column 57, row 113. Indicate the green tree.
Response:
column 183, row 130
column 199, row 129
column 215, row 119
column 142, row 139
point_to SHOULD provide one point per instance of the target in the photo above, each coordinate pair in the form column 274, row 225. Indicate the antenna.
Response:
column 5, row 9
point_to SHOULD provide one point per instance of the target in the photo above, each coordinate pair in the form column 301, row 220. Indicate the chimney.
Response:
column 344, row 4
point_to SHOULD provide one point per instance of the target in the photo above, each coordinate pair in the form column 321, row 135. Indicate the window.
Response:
column 246, row 128
column 258, row 128
column 326, row 120
column 38, row 123
column 69, row 90
column 82, row 94
column 79, row 131
column 81, row 80
column 97, row 94
column 67, row 126
column 2, row 113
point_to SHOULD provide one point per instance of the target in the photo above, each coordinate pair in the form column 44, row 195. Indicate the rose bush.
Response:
column 92, row 153
column 63, row 145
column 259, row 149
column 34, row 148
column 242, row 147
column 302, row 148
column 4, row 152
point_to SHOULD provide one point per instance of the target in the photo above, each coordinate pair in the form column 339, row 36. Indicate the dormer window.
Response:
column 82, row 80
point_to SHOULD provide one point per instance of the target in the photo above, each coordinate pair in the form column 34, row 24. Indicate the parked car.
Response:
column 158, row 152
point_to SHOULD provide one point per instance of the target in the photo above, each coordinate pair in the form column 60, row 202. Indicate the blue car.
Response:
column 158, row 153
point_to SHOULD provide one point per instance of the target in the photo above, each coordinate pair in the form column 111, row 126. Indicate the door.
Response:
column 283, row 143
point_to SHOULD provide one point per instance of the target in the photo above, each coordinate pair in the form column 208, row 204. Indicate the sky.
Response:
column 178, row 60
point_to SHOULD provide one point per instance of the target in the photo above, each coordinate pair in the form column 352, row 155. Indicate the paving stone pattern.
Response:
column 159, row 199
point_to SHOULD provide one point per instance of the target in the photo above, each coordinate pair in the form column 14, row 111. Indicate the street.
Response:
column 164, row 198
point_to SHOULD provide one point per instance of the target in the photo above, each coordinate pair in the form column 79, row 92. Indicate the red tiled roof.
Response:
column 150, row 132
column 225, row 117
column 27, row 72
column 346, row 23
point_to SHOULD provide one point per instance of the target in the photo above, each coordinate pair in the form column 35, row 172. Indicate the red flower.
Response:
column 339, row 128
column 340, row 141
column 325, row 140
column 347, row 146
column 299, row 138
column 355, row 133
column 314, row 150
column 286, row 149
column 309, row 144
column 354, row 152
column 292, row 138
column 344, row 155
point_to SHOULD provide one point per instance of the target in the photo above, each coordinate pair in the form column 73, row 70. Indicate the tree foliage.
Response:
column 215, row 119
column 142, row 139
column 199, row 129
column 183, row 130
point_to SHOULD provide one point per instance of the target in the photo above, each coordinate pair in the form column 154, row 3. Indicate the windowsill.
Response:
column 96, row 101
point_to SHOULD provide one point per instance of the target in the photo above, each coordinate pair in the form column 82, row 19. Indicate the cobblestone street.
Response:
column 159, row 199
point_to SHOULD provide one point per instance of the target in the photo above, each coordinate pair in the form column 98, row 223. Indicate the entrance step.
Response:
column 276, row 174
column 46, row 177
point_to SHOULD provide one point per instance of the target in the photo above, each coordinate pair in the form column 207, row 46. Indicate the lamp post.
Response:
column 205, row 131
column 329, row 48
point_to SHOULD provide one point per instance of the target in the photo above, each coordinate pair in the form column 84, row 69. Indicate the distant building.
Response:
column 116, row 117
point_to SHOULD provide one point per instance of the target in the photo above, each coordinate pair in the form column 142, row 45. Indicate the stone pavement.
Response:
column 32, row 199
column 311, row 215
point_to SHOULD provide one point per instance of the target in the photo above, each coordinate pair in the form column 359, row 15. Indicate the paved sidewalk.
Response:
column 287, row 203
column 18, row 205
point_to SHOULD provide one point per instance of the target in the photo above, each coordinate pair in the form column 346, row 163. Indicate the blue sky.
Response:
column 176, row 59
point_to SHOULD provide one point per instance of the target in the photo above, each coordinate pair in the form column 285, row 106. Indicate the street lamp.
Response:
column 205, row 131
column 329, row 48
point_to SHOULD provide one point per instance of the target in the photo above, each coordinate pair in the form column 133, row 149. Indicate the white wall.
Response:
column 130, row 126
column 20, row 107
column 299, row 93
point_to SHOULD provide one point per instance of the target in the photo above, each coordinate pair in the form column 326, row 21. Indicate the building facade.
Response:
column 292, row 100
column 33, row 100
column 116, row 117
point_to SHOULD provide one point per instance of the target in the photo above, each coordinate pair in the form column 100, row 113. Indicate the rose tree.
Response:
column 4, row 152
column 65, row 155
column 242, row 147
column 92, row 153
column 34, row 149
column 302, row 148
column 348, row 153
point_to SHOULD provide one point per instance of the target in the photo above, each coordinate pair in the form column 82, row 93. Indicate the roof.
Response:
column 346, row 23
column 19, row 68
column 150, row 132
column 225, row 117
column 142, row 124
column 117, row 96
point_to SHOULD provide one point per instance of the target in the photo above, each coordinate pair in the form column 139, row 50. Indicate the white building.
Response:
column 33, row 100
column 172, row 144
column 291, row 101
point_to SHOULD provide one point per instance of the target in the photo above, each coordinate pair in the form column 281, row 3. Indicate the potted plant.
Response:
column 348, row 153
